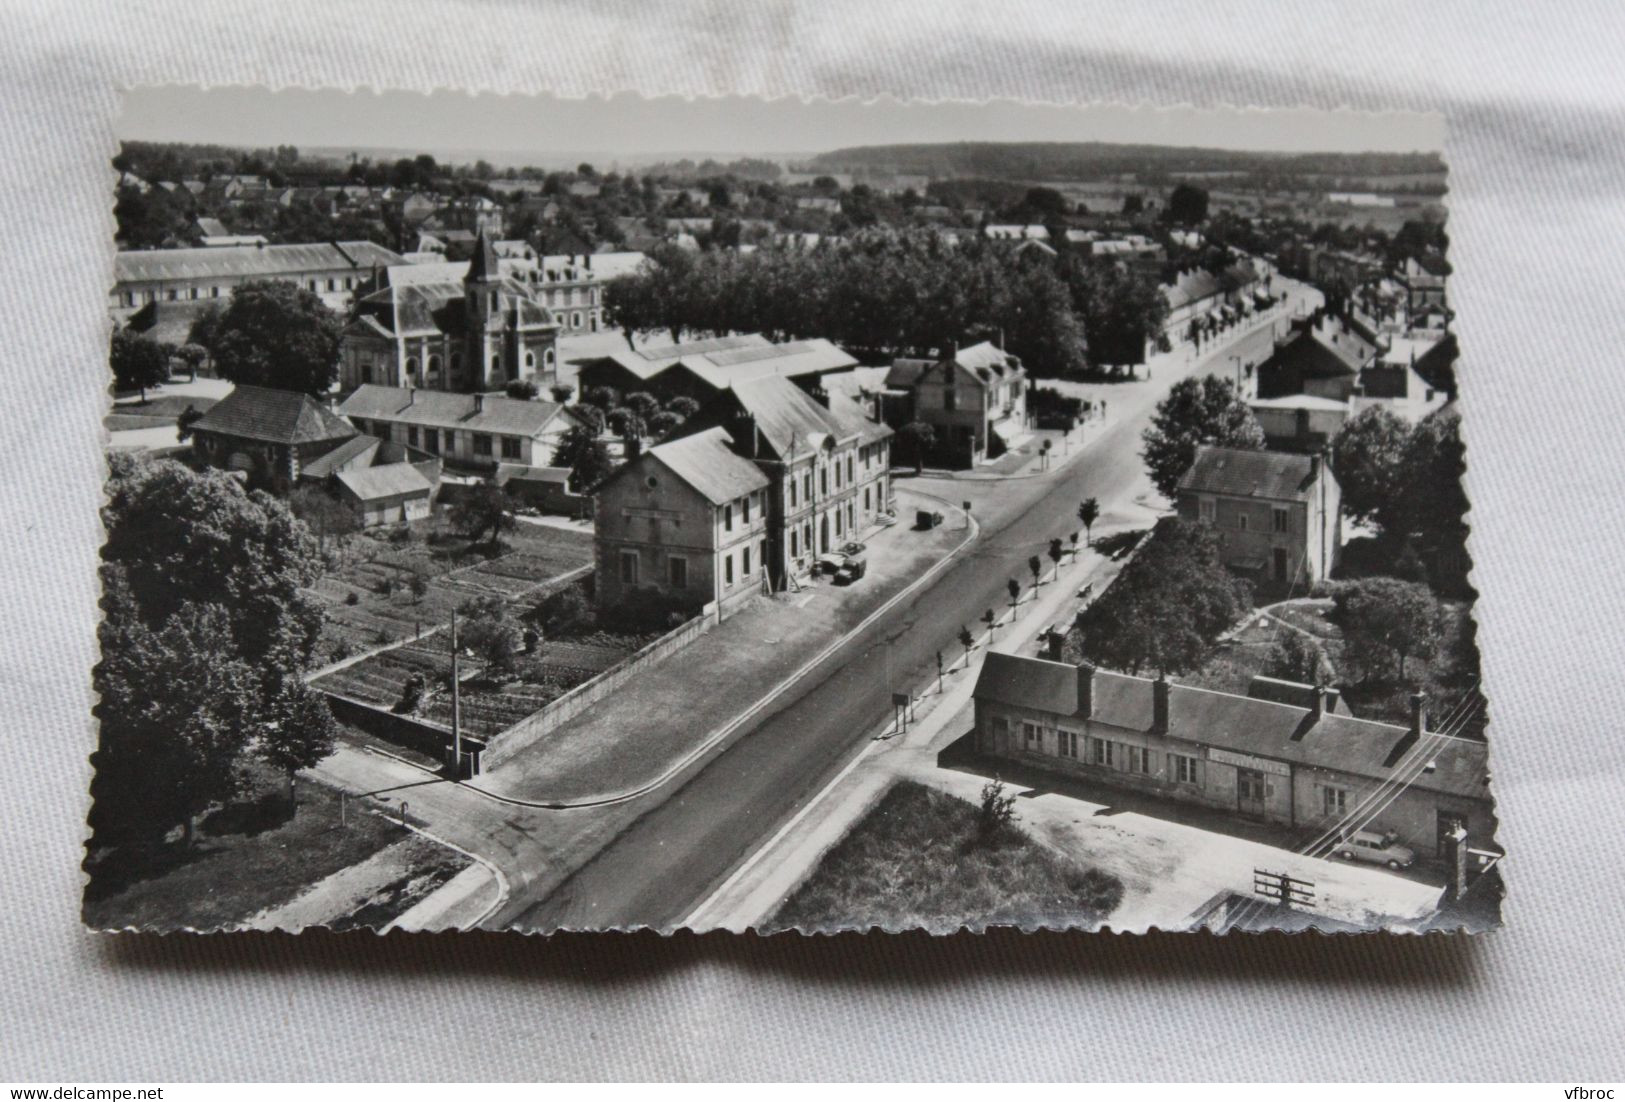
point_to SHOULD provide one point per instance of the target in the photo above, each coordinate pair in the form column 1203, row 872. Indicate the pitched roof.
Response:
column 273, row 416
column 1226, row 721
column 649, row 360
column 981, row 363
column 387, row 480
column 1237, row 472
column 263, row 261
column 787, row 418
column 443, row 409
column 727, row 367
column 854, row 420
column 327, row 463
column 709, row 465
column 170, row 322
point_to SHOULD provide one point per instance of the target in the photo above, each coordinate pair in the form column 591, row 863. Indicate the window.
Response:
column 1336, row 800
column 744, row 512
column 728, row 569
column 823, row 480
column 510, row 447
column 1139, row 759
column 1031, row 736
column 411, row 365
column 837, row 522
column 950, row 400
column 1066, row 744
column 851, row 512
column 530, row 360
column 728, row 517
column 1204, row 509
column 1100, row 752
column 677, row 572
column 1278, row 520
column 866, row 505
column 849, row 468
column 806, row 485
column 482, row 444
column 795, row 544
column 434, row 365
column 792, row 493
column 1184, row 768
column 744, row 562
column 1241, row 521
column 629, row 568
column 411, row 436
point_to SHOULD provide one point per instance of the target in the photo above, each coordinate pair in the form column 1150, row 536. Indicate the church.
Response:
column 434, row 332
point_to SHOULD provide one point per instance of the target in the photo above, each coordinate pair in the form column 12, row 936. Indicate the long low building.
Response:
column 472, row 431
column 1308, row 767
column 703, row 369
column 331, row 270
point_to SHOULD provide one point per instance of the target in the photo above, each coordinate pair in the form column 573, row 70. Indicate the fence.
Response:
column 527, row 731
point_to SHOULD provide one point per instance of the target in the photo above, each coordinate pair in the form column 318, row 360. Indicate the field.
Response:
column 916, row 860
column 376, row 567
column 239, row 863
column 1445, row 678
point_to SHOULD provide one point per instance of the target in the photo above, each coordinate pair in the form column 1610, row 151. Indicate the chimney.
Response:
column 1086, row 686
column 953, row 350
column 1332, row 696
column 479, row 403
column 1419, row 714
column 588, row 259
column 1159, row 704
column 1314, row 467
column 1317, row 704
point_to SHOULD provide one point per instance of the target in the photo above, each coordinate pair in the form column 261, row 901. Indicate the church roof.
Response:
column 485, row 264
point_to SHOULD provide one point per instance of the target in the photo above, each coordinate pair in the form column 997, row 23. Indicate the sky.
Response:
column 539, row 129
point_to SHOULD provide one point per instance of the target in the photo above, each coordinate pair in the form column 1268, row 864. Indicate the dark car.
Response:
column 851, row 570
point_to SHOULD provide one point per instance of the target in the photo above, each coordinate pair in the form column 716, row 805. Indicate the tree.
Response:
column 917, row 438
column 1036, row 566
column 419, row 585
column 194, row 356
column 323, row 514
column 561, row 392
column 1088, row 513
column 189, row 416
column 1072, row 539
column 587, row 457
column 277, row 334
column 1368, row 456
column 523, row 389
column 663, row 424
column 1055, row 554
column 1168, row 605
column 683, row 406
column 488, row 629
column 1195, row 412
column 483, row 510
column 299, row 732
column 1298, row 656
column 138, row 362
column 996, row 814
column 1434, row 505
column 1385, row 616
column 642, row 403
column 1187, row 205
column 966, row 640
column 1013, row 587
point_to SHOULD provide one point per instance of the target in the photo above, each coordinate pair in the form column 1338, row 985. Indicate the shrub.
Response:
column 352, row 598
column 1297, row 657
column 568, row 612
column 996, row 816
column 401, row 533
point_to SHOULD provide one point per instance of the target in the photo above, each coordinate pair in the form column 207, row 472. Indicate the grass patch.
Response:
column 433, row 867
column 248, row 856
column 916, row 861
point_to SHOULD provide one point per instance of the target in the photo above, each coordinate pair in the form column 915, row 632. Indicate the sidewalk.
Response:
column 689, row 701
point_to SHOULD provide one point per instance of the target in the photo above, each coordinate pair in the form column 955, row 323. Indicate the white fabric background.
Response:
column 1533, row 100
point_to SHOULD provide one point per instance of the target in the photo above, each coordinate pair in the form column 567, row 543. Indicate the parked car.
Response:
column 925, row 519
column 1377, row 847
column 830, row 562
column 853, row 548
column 851, row 570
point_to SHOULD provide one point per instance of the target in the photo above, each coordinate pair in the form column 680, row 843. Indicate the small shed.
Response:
column 386, row 494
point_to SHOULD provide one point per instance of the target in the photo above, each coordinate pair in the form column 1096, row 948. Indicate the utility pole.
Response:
column 456, row 708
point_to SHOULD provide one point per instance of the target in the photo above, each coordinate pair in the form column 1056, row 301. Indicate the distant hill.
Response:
column 1096, row 160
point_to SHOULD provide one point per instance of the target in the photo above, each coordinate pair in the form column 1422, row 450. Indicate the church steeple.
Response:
column 483, row 266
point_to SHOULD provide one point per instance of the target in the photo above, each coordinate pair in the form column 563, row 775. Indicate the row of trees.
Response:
column 207, row 631
column 883, row 292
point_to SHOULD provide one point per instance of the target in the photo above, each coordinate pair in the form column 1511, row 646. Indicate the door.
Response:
column 823, row 535
column 1250, row 792
column 1280, row 564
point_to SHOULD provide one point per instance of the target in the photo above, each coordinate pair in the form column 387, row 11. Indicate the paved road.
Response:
column 655, row 870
